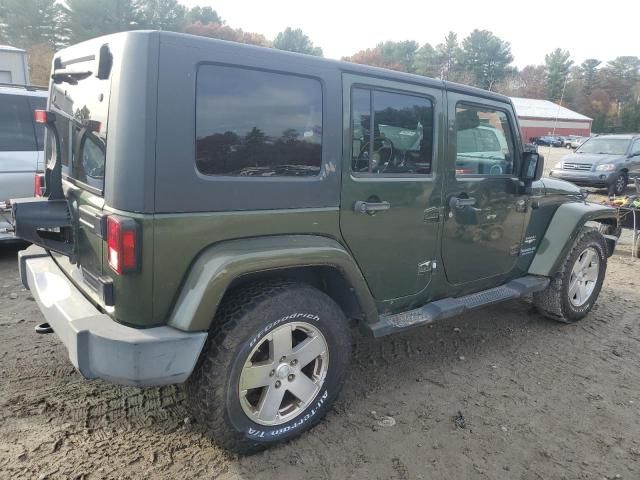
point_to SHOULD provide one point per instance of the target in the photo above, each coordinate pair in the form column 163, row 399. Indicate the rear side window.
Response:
column 17, row 133
column 256, row 123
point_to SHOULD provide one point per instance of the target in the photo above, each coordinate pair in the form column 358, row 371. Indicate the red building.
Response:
column 542, row 117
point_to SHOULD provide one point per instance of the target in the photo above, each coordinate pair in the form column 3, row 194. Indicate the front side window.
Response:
column 255, row 123
column 397, row 138
column 17, row 133
column 484, row 144
column 635, row 149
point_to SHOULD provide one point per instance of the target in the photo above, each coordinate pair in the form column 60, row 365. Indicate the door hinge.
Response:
column 426, row 267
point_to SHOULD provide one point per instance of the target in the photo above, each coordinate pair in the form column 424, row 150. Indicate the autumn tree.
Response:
column 374, row 57
column 225, row 32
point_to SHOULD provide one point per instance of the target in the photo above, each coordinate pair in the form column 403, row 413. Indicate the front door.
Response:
column 390, row 197
column 485, row 209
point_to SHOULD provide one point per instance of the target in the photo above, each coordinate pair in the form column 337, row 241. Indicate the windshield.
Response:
column 605, row 146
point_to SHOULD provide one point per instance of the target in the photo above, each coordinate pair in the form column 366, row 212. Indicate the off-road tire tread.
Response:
column 206, row 386
column 551, row 301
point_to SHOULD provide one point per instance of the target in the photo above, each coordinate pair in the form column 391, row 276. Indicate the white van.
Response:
column 21, row 147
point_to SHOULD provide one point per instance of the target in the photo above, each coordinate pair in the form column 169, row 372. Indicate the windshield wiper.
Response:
column 69, row 76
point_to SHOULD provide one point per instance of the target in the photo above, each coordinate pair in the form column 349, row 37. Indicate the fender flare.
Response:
column 218, row 265
column 562, row 231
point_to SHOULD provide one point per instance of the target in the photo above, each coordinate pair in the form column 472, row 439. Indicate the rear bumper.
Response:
column 99, row 347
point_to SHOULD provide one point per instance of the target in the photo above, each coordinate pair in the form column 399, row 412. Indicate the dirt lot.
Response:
column 501, row 393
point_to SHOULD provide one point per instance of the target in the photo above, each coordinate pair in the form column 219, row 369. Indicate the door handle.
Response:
column 370, row 207
column 459, row 203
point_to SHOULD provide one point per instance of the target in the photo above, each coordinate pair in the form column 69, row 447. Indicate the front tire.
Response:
column 273, row 364
column 573, row 291
column 619, row 184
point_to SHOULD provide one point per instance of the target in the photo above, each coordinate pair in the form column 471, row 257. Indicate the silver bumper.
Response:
column 100, row 347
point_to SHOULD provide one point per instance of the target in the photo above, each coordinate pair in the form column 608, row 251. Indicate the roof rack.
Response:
column 31, row 88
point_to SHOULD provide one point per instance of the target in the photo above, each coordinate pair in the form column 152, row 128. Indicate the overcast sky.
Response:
column 534, row 28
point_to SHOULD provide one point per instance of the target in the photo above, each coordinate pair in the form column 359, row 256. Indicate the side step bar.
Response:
column 450, row 307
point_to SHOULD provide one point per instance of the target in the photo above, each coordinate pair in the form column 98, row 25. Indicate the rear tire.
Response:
column 254, row 385
column 574, row 289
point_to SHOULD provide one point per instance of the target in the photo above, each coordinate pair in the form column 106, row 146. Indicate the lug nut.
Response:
column 283, row 359
column 291, row 377
column 272, row 373
column 278, row 384
column 294, row 363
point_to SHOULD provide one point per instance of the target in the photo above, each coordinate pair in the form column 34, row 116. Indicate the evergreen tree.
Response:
column 486, row 58
column 91, row 18
column 24, row 23
column 558, row 66
column 160, row 15
column 296, row 41
column 204, row 15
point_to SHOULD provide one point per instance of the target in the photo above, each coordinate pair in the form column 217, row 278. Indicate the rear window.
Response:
column 81, row 120
column 256, row 123
column 17, row 132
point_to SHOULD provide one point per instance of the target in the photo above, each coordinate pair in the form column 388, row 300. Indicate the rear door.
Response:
column 390, row 202
column 18, row 147
column 80, row 101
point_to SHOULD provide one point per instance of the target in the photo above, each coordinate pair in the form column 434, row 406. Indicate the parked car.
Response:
column 548, row 141
column 249, row 205
column 576, row 142
column 605, row 161
column 21, row 148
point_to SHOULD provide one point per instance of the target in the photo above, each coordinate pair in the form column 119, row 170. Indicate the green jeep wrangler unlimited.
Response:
column 223, row 215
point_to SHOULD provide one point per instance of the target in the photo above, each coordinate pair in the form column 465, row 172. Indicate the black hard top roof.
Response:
column 284, row 57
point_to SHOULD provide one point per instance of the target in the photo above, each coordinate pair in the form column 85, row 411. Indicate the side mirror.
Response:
column 532, row 167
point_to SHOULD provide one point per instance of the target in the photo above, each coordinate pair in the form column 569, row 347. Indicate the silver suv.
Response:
column 21, row 149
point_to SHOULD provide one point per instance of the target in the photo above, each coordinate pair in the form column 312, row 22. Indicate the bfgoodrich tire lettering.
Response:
column 243, row 322
column 555, row 301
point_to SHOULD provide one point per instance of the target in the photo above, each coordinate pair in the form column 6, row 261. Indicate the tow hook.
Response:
column 44, row 328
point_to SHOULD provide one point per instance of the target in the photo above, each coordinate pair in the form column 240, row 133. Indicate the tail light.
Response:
column 38, row 185
column 43, row 116
column 123, row 244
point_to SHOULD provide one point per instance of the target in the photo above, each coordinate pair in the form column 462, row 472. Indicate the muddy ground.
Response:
column 501, row 393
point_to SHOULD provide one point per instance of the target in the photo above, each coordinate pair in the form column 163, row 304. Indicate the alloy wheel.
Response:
column 584, row 276
column 283, row 373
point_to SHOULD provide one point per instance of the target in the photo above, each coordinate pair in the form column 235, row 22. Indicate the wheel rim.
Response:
column 584, row 277
column 283, row 373
column 621, row 184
